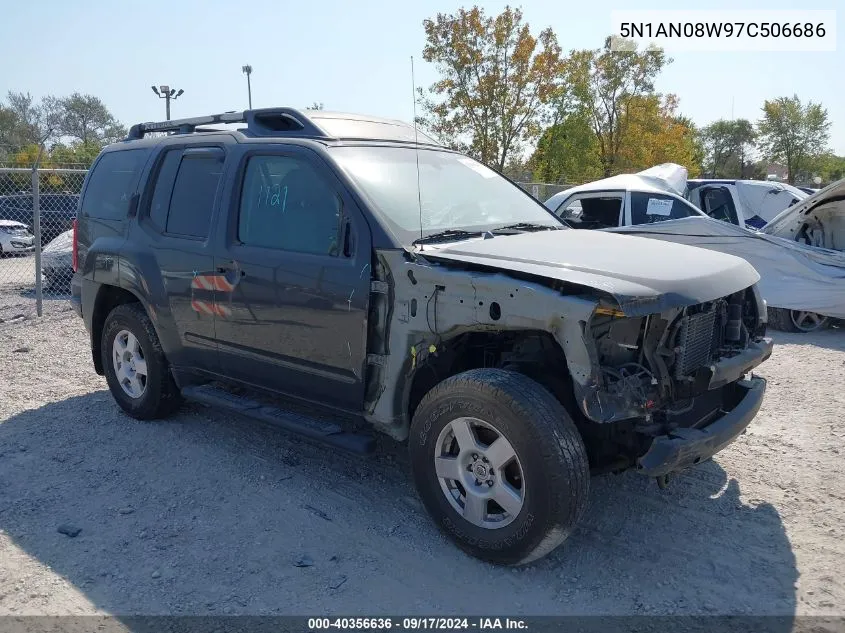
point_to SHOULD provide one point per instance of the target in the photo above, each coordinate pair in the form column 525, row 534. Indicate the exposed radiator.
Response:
column 696, row 342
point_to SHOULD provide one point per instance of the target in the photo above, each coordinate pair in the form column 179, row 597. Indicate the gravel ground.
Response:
column 209, row 514
column 17, row 290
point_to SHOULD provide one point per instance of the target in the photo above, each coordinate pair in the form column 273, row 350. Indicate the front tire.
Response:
column 499, row 465
column 136, row 369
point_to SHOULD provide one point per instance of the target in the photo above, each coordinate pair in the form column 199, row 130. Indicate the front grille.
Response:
column 696, row 342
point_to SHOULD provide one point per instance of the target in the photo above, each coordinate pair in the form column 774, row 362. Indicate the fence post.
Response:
column 36, row 229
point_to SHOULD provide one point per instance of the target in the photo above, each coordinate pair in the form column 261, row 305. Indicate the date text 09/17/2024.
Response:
column 417, row 623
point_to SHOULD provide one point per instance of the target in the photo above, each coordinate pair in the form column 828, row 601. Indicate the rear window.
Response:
column 112, row 184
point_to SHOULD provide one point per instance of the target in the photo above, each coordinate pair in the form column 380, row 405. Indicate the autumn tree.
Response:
column 729, row 145
column 87, row 120
column 655, row 133
column 496, row 81
column 793, row 133
column 606, row 83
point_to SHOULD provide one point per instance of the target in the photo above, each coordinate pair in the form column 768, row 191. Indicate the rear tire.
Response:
column 540, row 473
column 145, row 388
column 797, row 320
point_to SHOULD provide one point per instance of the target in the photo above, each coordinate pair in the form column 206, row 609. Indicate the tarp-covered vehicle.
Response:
column 800, row 254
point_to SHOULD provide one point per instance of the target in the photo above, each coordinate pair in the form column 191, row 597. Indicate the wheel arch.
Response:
column 533, row 353
column 107, row 299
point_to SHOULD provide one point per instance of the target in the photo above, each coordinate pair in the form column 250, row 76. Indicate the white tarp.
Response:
column 792, row 275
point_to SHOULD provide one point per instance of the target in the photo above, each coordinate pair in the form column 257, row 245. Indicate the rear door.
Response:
column 177, row 217
column 297, row 279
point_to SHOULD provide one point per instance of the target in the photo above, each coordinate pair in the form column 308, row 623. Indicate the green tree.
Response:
column 829, row 167
column 76, row 154
column 496, row 81
column 605, row 81
column 39, row 122
column 793, row 133
column 86, row 119
column 567, row 152
column 728, row 145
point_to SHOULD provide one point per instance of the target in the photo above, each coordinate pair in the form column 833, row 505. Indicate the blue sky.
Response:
column 352, row 56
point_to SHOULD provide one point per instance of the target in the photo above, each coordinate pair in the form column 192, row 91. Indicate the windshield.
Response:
column 455, row 192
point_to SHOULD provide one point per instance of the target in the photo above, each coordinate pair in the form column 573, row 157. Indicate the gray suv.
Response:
column 336, row 275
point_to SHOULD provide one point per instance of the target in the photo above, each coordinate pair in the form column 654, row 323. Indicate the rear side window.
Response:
column 185, row 189
column 160, row 203
column 112, row 184
column 647, row 208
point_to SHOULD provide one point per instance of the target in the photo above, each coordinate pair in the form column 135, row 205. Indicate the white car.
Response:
column 800, row 254
column 748, row 203
column 15, row 238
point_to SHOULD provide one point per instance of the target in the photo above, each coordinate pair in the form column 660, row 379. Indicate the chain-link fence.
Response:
column 543, row 190
column 36, row 203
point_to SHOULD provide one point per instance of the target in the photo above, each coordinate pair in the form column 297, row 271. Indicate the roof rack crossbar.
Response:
column 184, row 126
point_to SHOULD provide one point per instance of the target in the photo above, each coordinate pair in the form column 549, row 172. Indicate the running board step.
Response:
column 322, row 431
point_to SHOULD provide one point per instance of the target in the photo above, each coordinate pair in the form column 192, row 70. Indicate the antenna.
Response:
column 416, row 143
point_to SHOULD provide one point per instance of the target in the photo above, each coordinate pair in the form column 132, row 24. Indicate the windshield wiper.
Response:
column 446, row 236
column 527, row 226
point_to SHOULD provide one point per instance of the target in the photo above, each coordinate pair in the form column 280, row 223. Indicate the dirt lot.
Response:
column 209, row 514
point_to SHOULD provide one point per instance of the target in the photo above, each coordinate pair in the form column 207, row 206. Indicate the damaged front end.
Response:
column 632, row 370
column 676, row 375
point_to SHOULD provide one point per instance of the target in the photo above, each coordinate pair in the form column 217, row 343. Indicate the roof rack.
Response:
column 289, row 122
column 261, row 122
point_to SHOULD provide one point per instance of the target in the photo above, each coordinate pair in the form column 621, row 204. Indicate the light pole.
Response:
column 167, row 93
column 248, row 71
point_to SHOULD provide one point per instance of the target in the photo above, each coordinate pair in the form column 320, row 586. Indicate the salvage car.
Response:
column 799, row 254
column 453, row 312
column 15, row 238
column 748, row 203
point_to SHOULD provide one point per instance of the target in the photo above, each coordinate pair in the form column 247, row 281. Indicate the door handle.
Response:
column 230, row 269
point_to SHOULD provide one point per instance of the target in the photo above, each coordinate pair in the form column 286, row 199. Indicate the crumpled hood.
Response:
column 643, row 275
column 828, row 205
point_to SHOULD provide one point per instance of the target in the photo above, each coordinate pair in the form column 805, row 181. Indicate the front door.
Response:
column 296, row 292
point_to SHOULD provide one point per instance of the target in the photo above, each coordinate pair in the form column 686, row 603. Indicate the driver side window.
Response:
column 287, row 205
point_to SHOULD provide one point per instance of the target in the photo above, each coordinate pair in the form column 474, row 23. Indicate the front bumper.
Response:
column 19, row 245
column 684, row 447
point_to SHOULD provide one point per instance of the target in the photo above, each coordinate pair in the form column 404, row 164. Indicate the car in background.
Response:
column 57, row 263
column 748, row 203
column 799, row 254
column 58, row 211
column 15, row 238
